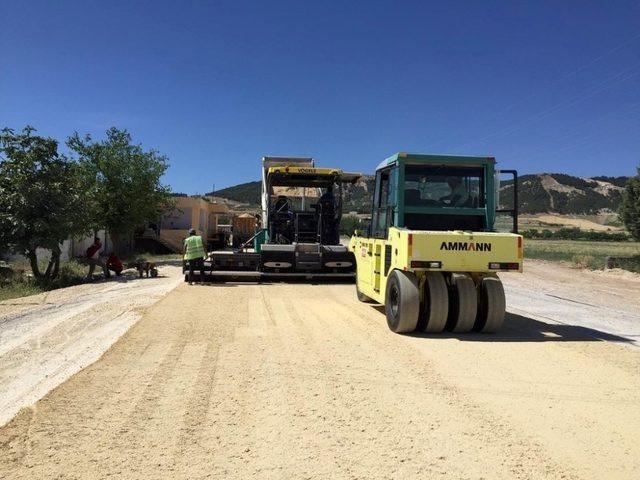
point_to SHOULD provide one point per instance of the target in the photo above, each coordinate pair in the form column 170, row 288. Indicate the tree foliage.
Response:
column 630, row 208
column 41, row 197
column 124, row 181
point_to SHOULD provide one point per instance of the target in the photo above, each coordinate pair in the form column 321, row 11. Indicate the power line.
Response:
column 551, row 84
column 600, row 87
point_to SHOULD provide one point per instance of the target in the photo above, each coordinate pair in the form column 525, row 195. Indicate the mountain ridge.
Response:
column 537, row 193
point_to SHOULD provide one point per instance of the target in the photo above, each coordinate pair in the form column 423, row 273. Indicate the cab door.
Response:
column 364, row 261
column 381, row 219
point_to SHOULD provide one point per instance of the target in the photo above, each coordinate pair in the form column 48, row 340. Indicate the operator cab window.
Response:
column 441, row 186
column 383, row 203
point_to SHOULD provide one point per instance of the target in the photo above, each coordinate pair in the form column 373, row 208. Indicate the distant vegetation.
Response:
column 630, row 209
column 245, row 192
column 350, row 224
column 585, row 254
column 576, row 234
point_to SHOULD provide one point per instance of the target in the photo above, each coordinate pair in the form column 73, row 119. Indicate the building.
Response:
column 191, row 212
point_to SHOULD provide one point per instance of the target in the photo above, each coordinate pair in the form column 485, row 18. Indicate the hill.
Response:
column 538, row 193
column 565, row 194
column 244, row 193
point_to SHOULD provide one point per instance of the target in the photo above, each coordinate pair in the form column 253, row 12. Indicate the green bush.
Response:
column 576, row 234
column 630, row 208
column 350, row 224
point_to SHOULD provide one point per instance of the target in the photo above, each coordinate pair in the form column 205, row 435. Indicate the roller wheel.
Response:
column 402, row 302
column 491, row 306
column 463, row 303
column 435, row 307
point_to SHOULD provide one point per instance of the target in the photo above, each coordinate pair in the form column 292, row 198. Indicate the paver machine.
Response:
column 432, row 254
column 299, row 234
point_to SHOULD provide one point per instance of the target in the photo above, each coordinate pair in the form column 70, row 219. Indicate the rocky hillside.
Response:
column 565, row 194
column 543, row 192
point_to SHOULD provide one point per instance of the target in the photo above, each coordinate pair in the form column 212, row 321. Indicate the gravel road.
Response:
column 46, row 338
column 302, row 381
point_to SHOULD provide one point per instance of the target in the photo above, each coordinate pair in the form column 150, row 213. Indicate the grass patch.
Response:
column 22, row 285
column 17, row 289
column 72, row 272
column 581, row 253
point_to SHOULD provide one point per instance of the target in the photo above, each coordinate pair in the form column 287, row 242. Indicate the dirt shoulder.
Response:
column 46, row 338
column 605, row 303
column 303, row 381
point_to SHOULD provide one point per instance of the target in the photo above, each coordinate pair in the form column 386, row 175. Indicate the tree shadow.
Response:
column 518, row 328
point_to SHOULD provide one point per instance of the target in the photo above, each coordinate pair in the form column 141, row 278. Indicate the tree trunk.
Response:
column 115, row 239
column 47, row 272
column 33, row 260
column 56, row 267
column 55, row 262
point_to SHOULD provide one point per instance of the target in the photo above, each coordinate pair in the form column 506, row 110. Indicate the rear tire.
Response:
column 435, row 307
column 463, row 303
column 491, row 306
column 402, row 302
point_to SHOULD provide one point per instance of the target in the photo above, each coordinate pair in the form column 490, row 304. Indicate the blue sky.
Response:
column 540, row 85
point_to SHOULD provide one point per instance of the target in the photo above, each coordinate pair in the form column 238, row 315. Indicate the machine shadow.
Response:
column 518, row 328
column 298, row 281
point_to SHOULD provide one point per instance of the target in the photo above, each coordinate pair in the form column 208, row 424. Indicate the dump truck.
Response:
column 431, row 254
column 300, row 227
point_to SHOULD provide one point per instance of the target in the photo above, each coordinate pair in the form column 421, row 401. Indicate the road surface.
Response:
column 302, row 381
column 46, row 338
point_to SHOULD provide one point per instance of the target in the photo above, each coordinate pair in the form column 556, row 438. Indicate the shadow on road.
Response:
column 518, row 328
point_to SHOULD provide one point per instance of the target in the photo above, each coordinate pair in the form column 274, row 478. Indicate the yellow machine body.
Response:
column 476, row 253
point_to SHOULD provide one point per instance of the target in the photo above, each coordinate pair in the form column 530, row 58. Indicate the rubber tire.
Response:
column 463, row 303
column 402, row 290
column 491, row 306
column 435, row 307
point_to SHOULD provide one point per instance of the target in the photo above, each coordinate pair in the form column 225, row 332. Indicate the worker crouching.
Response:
column 194, row 255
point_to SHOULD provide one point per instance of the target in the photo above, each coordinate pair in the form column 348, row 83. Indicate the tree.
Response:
column 41, row 197
column 630, row 207
column 124, row 182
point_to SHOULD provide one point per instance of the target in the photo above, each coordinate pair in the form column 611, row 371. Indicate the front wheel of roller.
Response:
column 463, row 303
column 491, row 306
column 435, row 307
column 402, row 302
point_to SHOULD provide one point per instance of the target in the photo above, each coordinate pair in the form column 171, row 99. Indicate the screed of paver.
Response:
column 302, row 381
